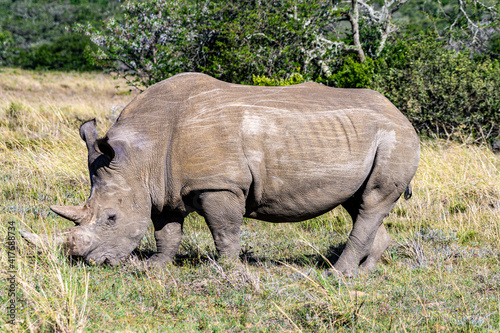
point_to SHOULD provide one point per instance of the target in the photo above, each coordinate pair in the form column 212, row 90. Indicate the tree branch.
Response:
column 354, row 20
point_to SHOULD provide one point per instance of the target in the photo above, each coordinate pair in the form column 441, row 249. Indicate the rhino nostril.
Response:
column 112, row 219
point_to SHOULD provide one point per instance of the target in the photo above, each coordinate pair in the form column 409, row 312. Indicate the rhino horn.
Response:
column 42, row 240
column 72, row 213
column 75, row 241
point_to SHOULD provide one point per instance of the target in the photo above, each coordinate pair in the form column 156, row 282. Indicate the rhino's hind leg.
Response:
column 359, row 245
column 368, row 238
column 380, row 244
column 168, row 235
column 223, row 211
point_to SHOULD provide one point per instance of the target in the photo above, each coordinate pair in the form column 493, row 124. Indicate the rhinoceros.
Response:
column 229, row 151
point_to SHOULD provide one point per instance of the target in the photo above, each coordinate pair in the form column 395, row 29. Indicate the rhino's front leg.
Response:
column 223, row 211
column 168, row 235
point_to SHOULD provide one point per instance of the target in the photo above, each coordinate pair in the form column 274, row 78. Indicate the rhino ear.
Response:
column 72, row 213
column 88, row 132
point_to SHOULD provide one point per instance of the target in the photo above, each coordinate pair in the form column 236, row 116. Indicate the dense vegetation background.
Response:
column 436, row 60
column 37, row 34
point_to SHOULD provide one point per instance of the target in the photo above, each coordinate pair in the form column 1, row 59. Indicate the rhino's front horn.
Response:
column 76, row 241
column 72, row 213
column 42, row 240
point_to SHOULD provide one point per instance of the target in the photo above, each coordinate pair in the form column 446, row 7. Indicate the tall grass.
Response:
column 56, row 294
column 442, row 272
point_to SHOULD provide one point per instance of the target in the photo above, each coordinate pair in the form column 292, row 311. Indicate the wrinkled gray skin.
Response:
column 277, row 154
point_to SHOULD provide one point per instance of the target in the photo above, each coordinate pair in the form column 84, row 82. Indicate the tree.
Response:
column 467, row 24
column 39, row 34
column 150, row 42
column 374, row 15
column 233, row 40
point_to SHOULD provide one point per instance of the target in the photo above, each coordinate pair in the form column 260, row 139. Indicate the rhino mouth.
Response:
column 106, row 259
column 100, row 256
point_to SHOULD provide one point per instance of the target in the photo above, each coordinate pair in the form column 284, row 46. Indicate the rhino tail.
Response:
column 408, row 192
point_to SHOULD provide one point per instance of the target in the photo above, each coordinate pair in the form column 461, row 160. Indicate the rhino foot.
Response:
column 157, row 260
column 350, row 273
column 349, row 266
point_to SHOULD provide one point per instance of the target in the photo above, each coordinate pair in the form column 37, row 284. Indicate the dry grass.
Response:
column 442, row 272
column 457, row 189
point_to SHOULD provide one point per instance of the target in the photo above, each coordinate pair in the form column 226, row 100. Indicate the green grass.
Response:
column 442, row 272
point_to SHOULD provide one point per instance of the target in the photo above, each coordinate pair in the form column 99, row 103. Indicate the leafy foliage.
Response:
column 464, row 24
column 469, row 24
column 151, row 42
column 64, row 53
column 265, row 81
column 39, row 34
column 441, row 91
column 228, row 40
column 6, row 43
column 353, row 74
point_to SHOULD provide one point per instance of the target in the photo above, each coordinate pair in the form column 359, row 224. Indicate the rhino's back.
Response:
column 295, row 151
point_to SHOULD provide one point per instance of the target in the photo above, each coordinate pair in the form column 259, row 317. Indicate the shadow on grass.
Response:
column 194, row 257
column 319, row 260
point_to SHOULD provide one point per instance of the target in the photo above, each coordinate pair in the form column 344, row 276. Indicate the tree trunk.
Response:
column 354, row 20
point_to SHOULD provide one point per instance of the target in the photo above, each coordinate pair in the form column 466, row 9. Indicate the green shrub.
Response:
column 6, row 47
column 295, row 78
column 67, row 52
column 37, row 34
column 353, row 74
column 442, row 92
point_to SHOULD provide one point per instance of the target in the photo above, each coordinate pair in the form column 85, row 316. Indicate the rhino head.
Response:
column 110, row 225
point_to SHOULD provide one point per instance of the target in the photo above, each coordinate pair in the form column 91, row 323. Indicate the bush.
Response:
column 36, row 34
column 295, row 78
column 442, row 92
column 67, row 52
column 352, row 74
column 6, row 47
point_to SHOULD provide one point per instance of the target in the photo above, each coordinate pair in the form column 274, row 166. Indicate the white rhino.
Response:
column 228, row 151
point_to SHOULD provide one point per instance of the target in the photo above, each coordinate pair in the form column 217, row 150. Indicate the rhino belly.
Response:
column 296, row 194
column 293, row 200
